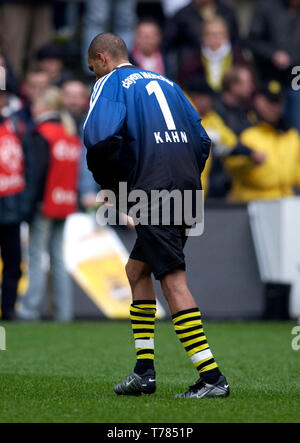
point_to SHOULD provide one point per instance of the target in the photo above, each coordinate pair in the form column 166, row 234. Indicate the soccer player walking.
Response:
column 142, row 130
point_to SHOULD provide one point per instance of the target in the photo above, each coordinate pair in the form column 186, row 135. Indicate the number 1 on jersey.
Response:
column 154, row 87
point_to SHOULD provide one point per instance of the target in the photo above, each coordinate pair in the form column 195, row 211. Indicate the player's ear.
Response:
column 101, row 57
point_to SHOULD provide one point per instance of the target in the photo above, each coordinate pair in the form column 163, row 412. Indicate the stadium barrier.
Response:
column 226, row 267
column 221, row 266
column 275, row 229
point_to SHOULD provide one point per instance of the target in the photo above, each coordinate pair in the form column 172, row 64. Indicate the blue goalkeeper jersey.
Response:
column 162, row 142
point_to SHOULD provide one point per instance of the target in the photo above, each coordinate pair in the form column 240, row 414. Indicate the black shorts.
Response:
column 161, row 247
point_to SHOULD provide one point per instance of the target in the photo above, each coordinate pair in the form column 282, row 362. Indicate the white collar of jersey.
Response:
column 124, row 64
column 101, row 78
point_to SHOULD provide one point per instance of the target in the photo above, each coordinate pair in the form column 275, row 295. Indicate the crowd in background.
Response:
column 243, row 87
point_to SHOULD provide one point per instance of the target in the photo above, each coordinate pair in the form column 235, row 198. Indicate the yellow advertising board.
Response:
column 96, row 258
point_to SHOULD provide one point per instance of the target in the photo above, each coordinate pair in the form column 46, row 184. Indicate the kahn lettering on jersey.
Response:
column 170, row 137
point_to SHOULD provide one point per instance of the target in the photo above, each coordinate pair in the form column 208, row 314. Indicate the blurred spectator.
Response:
column 235, row 103
column 16, row 194
column 50, row 59
column 106, row 16
column 274, row 169
column 146, row 52
column 11, row 82
column 151, row 10
column 75, row 97
column 35, row 83
column 12, row 105
column 170, row 7
column 214, row 57
column 57, row 150
column 275, row 43
column 183, row 29
column 23, row 22
column 66, row 18
column 275, row 38
column 215, row 180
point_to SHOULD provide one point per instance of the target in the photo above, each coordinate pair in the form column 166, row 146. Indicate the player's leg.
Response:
column 40, row 230
column 176, row 291
column 62, row 283
column 142, row 315
column 139, row 277
column 189, row 329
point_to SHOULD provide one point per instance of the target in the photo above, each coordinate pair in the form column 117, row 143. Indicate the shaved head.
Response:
column 105, row 53
column 109, row 43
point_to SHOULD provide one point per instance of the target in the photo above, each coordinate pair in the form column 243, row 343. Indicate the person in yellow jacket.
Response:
column 223, row 138
column 273, row 170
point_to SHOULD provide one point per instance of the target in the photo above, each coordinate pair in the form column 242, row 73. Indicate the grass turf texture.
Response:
column 65, row 373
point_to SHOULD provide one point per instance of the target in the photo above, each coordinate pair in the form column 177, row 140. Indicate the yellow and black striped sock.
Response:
column 189, row 330
column 142, row 316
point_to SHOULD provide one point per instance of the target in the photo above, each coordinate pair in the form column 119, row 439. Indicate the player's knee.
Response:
column 129, row 272
column 135, row 272
column 173, row 285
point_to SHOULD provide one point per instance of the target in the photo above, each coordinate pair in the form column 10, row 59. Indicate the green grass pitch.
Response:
column 65, row 373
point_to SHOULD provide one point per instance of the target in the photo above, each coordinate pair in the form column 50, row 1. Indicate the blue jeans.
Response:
column 46, row 236
column 98, row 16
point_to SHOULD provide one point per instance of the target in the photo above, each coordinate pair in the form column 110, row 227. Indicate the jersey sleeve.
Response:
column 203, row 150
column 203, row 143
column 103, row 132
column 106, row 115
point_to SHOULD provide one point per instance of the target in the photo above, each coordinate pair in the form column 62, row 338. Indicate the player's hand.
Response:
column 88, row 201
column 214, row 136
column 259, row 158
column 103, row 199
column 127, row 221
column 130, row 223
column 281, row 59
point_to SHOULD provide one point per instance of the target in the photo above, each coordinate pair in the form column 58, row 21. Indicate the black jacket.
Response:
column 16, row 208
column 274, row 28
column 27, row 1
column 238, row 118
